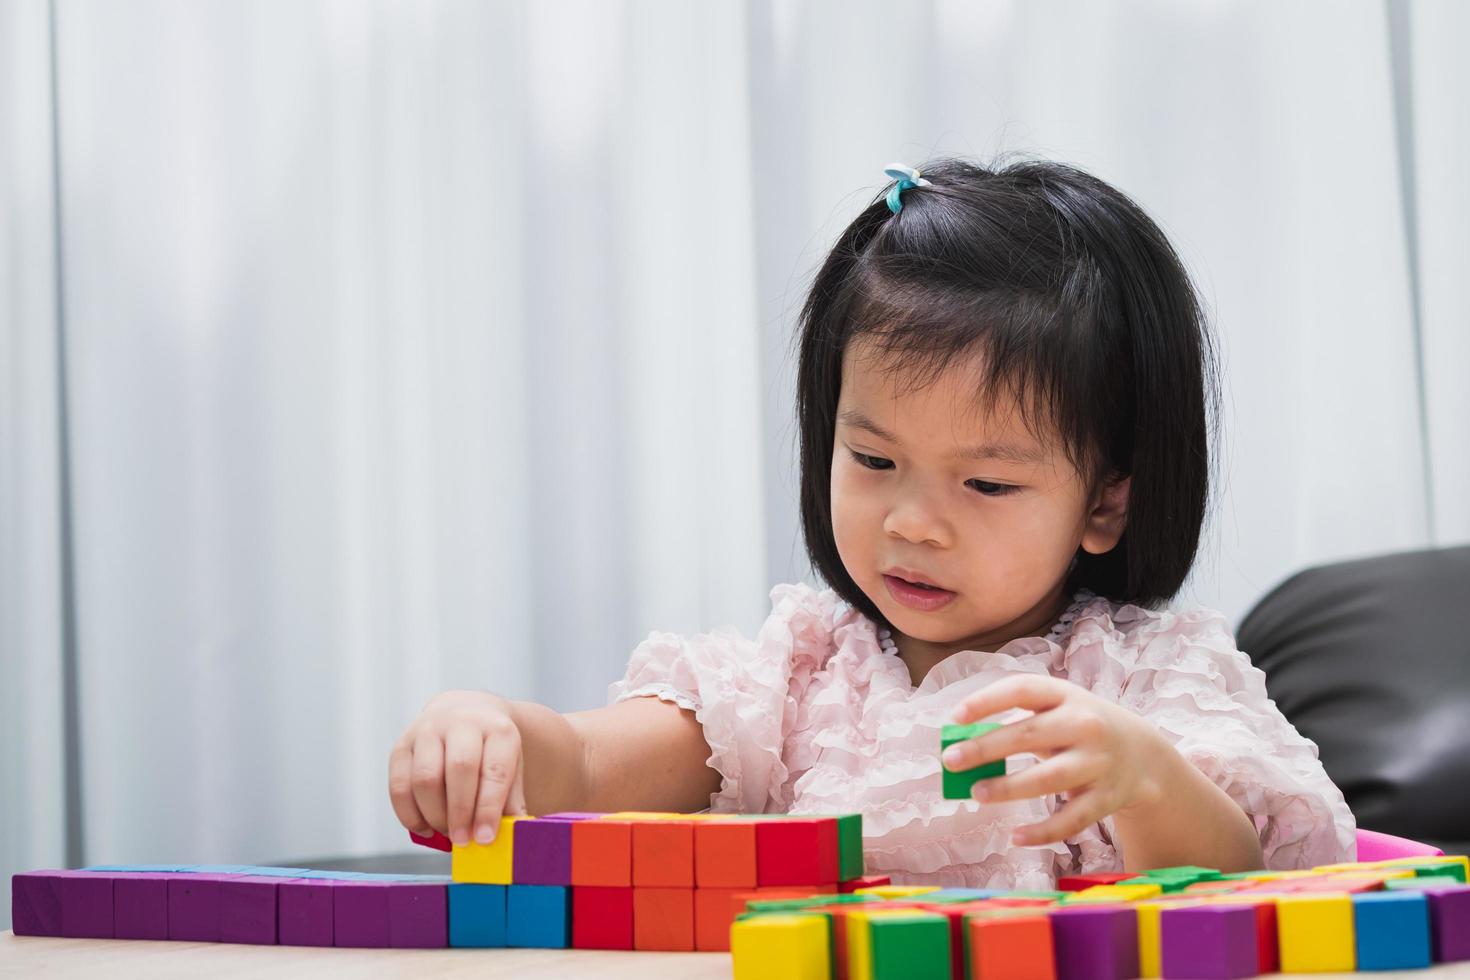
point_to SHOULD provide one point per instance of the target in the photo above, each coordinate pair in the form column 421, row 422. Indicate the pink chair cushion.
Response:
column 1373, row 846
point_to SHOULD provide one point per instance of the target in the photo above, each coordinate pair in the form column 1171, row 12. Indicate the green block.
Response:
column 1181, row 871
column 1438, row 871
column 957, row 784
column 910, row 947
column 849, row 846
column 1422, row 881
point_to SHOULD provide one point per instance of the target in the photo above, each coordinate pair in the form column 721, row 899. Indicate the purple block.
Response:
column 360, row 913
column 247, row 909
column 418, row 915
column 140, row 905
column 1449, row 918
column 86, row 904
column 35, row 903
column 1095, row 943
column 304, row 910
column 194, row 906
column 543, row 852
column 1212, row 942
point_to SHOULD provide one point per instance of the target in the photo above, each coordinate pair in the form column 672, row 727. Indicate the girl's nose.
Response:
column 915, row 520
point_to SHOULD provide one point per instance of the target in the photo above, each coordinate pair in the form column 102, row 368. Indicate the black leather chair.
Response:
column 1370, row 659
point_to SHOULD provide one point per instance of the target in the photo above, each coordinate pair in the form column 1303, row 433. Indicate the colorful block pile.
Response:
column 652, row 881
column 1170, row 922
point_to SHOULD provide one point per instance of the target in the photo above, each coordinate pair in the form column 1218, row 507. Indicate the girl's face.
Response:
column 970, row 502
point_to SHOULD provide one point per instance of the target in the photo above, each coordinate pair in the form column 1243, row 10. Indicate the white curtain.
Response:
column 417, row 345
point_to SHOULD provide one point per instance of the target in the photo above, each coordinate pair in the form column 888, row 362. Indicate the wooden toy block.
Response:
column 740, row 899
column 140, row 906
column 247, row 910
column 712, row 918
column 602, row 853
column 663, row 918
column 1009, row 947
column 487, row 864
column 1268, row 955
column 1455, row 864
column 543, row 852
column 45, row 903
column 360, row 914
column 1215, row 942
column 958, row 785
column 1315, row 933
column 1449, row 915
column 305, row 912
column 86, row 904
column 574, row 815
column 1077, row 883
column 724, row 854
column 538, row 916
column 1095, row 942
column 888, row 944
column 897, row 891
column 790, row 945
column 663, row 855
column 797, row 851
column 850, row 885
column 476, row 915
column 850, row 864
column 602, row 917
column 1115, row 893
column 418, row 915
column 194, row 907
column 1391, row 930
column 435, row 840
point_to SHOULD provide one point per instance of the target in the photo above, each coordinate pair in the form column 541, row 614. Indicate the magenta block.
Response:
column 573, row 815
column 140, row 905
column 194, row 906
column 360, row 914
column 86, row 904
column 543, row 852
column 418, row 915
column 247, row 909
column 1449, row 919
column 35, row 903
column 304, row 912
column 1095, row 943
column 1212, row 942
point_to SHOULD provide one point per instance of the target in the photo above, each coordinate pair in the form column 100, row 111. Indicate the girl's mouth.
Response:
column 915, row 596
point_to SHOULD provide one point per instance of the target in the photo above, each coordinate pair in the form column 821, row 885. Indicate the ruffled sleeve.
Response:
column 743, row 692
column 1182, row 671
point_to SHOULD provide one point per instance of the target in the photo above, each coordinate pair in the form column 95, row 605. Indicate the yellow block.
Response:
column 896, row 891
column 1277, row 875
column 779, row 945
column 486, row 864
column 1315, row 933
column 1460, row 859
column 1117, row 893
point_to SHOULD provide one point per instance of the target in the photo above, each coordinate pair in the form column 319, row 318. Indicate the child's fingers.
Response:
column 1016, row 691
column 1060, row 774
column 499, row 772
column 400, row 789
column 515, row 801
column 1038, row 734
column 462, row 747
column 428, row 780
column 1079, row 813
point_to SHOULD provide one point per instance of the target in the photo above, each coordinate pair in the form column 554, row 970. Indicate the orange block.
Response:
column 713, row 912
column 663, row 918
column 602, row 853
column 1013, row 947
column 663, row 854
column 724, row 854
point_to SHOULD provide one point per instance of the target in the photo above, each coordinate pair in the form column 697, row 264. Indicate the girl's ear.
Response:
column 1108, row 516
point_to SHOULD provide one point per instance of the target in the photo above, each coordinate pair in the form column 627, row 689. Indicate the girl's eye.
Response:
column 985, row 487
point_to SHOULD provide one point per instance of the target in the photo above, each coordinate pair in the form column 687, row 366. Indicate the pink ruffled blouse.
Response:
column 813, row 716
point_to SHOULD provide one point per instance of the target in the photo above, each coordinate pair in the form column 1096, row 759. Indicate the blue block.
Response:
column 1392, row 930
column 963, row 894
column 139, row 868
column 216, row 869
column 476, row 915
column 274, row 872
column 538, row 916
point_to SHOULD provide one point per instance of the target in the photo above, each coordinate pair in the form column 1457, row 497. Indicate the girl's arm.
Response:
column 471, row 757
column 1192, row 821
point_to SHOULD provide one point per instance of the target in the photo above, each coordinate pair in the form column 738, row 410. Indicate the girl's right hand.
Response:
column 457, row 768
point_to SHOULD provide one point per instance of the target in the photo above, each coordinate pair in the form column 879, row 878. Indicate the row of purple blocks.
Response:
column 306, row 908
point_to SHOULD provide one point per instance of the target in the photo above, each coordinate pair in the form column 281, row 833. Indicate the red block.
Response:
column 435, row 840
column 724, row 854
column 1075, row 883
column 663, row 855
column 602, row 918
column 796, row 851
column 713, row 913
column 866, row 881
column 663, row 918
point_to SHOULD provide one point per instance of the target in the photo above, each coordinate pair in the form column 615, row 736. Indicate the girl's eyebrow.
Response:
column 1004, row 452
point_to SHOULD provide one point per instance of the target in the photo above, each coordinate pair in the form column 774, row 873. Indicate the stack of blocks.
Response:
column 1170, row 922
column 648, row 881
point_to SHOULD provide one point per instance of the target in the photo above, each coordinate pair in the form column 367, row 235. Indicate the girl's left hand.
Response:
column 1103, row 756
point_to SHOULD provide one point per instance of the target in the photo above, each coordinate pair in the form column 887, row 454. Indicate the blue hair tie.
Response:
column 907, row 177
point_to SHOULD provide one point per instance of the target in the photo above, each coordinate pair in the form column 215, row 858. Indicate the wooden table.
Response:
column 120, row 959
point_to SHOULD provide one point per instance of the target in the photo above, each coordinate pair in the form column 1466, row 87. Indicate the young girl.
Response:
column 1003, row 392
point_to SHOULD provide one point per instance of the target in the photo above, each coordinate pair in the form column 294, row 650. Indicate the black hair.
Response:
column 1081, row 309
